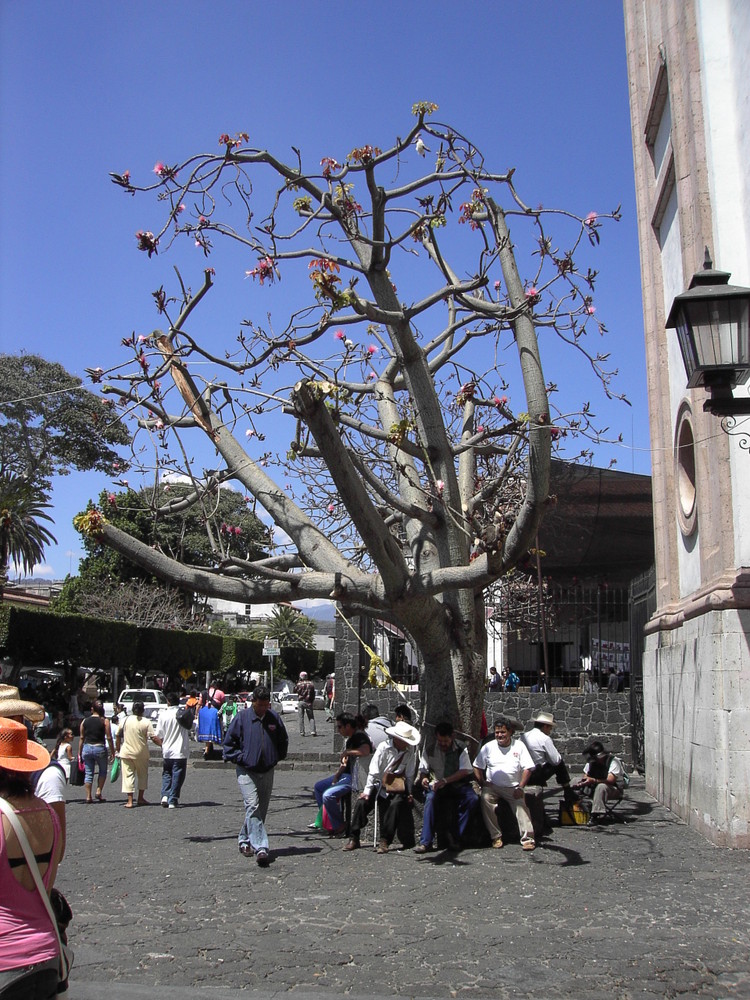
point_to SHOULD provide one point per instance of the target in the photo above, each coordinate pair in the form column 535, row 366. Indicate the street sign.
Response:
column 271, row 647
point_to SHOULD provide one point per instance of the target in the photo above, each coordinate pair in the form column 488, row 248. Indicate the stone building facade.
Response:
column 689, row 75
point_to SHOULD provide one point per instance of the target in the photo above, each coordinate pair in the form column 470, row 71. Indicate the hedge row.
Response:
column 42, row 637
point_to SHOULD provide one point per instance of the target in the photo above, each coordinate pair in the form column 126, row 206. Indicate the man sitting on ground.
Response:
column 389, row 782
column 546, row 757
column 503, row 767
column 445, row 775
column 329, row 791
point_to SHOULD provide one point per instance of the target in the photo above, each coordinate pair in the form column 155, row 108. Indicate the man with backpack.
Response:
column 604, row 778
column 173, row 736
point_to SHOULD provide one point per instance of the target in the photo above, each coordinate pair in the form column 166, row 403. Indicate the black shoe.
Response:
column 262, row 858
column 246, row 851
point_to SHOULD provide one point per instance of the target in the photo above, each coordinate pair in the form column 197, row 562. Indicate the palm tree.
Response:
column 289, row 626
column 22, row 537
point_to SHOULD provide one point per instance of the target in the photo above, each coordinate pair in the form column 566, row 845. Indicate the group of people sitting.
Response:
column 451, row 785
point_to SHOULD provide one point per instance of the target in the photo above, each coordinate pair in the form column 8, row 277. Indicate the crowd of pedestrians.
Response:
column 380, row 777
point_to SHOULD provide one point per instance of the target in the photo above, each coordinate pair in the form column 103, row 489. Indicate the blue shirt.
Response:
column 254, row 743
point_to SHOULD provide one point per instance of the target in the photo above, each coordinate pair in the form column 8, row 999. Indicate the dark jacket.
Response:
column 257, row 744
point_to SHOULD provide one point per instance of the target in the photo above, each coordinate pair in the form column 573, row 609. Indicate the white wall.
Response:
column 697, row 756
column 724, row 38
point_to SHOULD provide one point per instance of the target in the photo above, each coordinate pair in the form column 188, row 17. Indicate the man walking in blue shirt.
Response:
column 255, row 742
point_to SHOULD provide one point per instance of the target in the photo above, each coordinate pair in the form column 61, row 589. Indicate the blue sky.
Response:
column 92, row 87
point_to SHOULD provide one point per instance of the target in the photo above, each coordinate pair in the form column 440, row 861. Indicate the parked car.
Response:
column 154, row 702
column 285, row 702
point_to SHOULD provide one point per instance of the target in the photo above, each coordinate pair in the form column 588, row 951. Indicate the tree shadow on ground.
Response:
column 573, row 859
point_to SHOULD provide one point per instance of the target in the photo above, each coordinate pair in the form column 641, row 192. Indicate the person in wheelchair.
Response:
column 603, row 779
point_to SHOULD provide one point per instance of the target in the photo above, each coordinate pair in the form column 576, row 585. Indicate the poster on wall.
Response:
column 611, row 656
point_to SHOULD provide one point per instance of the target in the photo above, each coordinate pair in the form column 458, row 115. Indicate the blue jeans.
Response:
column 328, row 792
column 173, row 773
column 256, row 791
column 94, row 754
column 463, row 799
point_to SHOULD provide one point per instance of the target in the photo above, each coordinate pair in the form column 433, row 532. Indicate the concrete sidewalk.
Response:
column 165, row 906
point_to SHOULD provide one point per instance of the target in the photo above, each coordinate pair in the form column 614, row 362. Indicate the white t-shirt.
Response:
column 504, row 765
column 175, row 738
column 541, row 747
column 51, row 785
column 615, row 767
column 62, row 758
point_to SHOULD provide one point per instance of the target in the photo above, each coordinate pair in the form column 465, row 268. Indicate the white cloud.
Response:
column 42, row 569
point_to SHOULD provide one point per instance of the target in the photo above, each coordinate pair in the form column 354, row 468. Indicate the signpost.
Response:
column 271, row 649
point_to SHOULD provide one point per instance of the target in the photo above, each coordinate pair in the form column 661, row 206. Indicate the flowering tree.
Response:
column 391, row 496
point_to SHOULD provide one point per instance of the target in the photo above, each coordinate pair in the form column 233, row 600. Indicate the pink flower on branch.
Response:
column 264, row 270
column 372, row 349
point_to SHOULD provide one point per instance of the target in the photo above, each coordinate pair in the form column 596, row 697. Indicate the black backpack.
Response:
column 185, row 717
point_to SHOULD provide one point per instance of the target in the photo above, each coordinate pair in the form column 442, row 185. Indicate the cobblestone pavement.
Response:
column 162, row 899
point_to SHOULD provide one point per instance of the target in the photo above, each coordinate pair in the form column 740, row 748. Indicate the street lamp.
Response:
column 712, row 319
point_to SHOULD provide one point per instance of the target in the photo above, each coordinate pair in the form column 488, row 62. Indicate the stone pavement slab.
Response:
column 164, row 906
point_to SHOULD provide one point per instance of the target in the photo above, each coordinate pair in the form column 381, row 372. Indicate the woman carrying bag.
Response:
column 30, row 851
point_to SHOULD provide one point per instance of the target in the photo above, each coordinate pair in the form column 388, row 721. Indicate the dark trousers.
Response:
column 452, row 799
column 394, row 813
column 543, row 772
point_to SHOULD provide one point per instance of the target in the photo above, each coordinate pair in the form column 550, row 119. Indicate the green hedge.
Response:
column 42, row 637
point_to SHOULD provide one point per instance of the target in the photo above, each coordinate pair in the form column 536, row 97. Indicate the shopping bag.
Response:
column 77, row 771
column 114, row 771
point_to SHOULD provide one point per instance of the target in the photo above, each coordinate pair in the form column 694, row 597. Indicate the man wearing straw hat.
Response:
column 389, row 784
column 544, row 753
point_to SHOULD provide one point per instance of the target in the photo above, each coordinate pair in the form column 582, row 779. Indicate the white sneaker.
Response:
column 164, row 801
column 172, row 805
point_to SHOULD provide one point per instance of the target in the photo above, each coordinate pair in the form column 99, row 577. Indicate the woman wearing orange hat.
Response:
column 29, row 946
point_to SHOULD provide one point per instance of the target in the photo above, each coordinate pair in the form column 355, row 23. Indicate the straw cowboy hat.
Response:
column 16, row 752
column 11, row 703
column 403, row 731
column 546, row 718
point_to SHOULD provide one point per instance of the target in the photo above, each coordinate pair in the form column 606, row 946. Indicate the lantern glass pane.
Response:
column 720, row 331
column 687, row 344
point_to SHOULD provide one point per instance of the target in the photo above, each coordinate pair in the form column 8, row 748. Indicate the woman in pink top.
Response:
column 29, row 950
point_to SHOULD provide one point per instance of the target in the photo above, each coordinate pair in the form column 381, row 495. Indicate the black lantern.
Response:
column 712, row 320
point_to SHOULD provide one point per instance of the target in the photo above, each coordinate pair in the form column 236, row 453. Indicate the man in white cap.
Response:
column 544, row 753
column 305, row 691
column 389, row 783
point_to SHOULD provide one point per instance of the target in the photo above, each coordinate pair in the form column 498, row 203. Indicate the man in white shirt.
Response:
column 174, row 739
column 603, row 779
column 503, row 767
column 544, row 753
